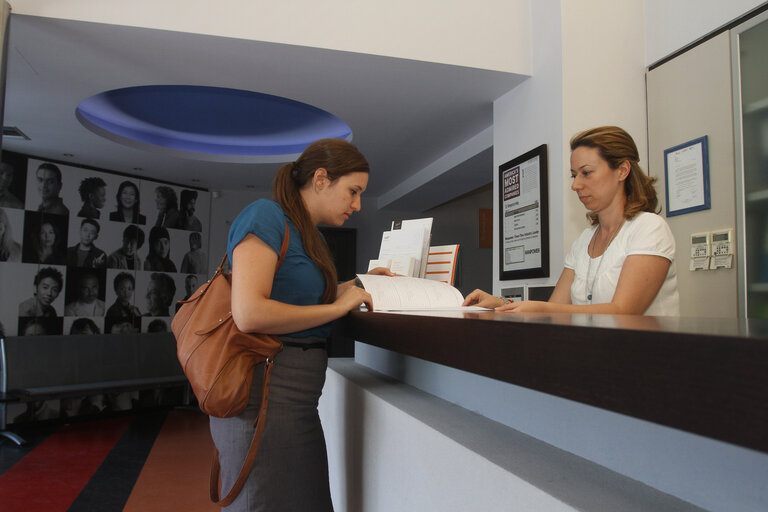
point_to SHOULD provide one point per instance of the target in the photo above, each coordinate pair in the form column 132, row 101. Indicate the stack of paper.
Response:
column 424, row 225
column 406, row 247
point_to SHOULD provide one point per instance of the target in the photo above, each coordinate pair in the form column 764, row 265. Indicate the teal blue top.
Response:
column 298, row 281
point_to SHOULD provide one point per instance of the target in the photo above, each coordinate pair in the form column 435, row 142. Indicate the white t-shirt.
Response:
column 646, row 233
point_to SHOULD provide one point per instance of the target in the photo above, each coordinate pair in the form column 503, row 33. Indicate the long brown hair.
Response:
column 616, row 146
column 338, row 157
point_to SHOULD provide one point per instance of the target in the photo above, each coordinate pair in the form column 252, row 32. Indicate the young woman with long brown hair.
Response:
column 298, row 303
column 625, row 262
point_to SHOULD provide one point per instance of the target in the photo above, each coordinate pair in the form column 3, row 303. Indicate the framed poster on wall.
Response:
column 524, row 216
column 686, row 173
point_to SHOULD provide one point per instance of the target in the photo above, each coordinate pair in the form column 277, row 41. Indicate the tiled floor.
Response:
column 152, row 461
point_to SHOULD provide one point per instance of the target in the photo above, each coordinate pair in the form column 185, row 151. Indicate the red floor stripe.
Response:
column 49, row 478
column 175, row 476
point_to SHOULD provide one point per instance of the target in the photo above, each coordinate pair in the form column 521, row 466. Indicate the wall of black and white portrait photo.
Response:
column 88, row 251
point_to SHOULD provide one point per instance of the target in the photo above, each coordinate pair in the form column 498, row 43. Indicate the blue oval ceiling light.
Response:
column 209, row 123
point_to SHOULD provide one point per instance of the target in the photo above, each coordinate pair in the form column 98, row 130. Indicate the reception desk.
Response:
column 707, row 376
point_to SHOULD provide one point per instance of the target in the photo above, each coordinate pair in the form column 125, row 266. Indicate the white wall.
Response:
column 672, row 25
column 444, row 31
column 603, row 84
column 530, row 115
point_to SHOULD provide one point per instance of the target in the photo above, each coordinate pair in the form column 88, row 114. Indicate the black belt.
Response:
column 305, row 346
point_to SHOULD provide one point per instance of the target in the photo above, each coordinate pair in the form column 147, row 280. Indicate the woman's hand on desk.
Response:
column 352, row 298
column 526, row 306
column 483, row 300
column 486, row 300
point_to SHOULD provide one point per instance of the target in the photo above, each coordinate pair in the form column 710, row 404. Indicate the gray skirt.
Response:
column 291, row 469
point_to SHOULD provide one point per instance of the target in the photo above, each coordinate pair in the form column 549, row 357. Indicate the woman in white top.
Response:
column 625, row 262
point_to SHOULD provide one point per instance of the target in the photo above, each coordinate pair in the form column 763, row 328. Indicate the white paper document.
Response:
column 401, row 245
column 424, row 224
column 411, row 293
column 379, row 263
column 685, row 177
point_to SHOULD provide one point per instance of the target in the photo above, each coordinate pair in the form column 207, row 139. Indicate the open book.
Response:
column 412, row 293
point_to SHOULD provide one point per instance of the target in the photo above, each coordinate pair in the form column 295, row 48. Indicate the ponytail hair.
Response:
column 616, row 146
column 338, row 157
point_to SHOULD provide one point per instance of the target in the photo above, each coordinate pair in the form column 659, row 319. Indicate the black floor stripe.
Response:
column 110, row 486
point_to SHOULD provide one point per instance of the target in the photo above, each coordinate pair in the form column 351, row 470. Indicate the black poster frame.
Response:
column 542, row 270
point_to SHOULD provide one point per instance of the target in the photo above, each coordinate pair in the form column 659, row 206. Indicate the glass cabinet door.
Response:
column 750, row 48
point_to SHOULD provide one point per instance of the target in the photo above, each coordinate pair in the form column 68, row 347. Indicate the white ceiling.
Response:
column 404, row 114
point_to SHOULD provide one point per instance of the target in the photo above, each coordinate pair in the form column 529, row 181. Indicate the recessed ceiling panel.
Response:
column 209, row 123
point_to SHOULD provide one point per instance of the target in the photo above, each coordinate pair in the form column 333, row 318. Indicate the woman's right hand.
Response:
column 483, row 300
column 351, row 299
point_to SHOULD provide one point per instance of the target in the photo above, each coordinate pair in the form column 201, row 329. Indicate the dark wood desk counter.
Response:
column 708, row 376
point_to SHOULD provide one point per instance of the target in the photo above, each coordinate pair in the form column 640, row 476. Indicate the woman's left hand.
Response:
column 381, row 271
column 525, row 306
column 378, row 271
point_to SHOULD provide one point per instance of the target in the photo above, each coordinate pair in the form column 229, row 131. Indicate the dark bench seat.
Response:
column 109, row 386
column 38, row 368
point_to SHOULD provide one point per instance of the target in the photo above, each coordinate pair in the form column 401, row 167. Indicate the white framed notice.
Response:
column 524, row 216
column 686, row 172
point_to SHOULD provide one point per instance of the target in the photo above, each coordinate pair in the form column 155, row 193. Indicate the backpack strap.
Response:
column 258, row 425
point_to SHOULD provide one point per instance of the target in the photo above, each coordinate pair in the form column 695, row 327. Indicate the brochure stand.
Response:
column 441, row 263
